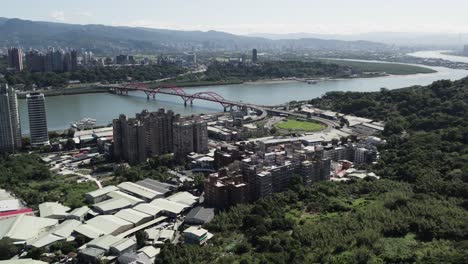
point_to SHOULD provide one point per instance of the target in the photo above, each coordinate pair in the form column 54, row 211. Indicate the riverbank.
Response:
column 67, row 91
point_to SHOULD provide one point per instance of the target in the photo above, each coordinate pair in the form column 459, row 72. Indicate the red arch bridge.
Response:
column 176, row 91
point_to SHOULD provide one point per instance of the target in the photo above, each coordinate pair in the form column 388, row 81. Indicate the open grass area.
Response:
column 389, row 68
column 295, row 125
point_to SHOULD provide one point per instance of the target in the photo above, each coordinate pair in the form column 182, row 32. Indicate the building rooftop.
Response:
column 195, row 230
column 150, row 251
column 185, row 198
column 53, row 210
column 112, row 204
column 89, row 231
column 22, row 261
column 10, row 205
column 118, row 194
column 80, row 212
column 133, row 216
column 25, row 227
column 139, row 190
column 156, row 185
column 66, row 228
column 103, row 242
column 102, row 191
column 169, row 206
column 123, row 244
column 148, row 209
column 202, row 214
column 108, row 224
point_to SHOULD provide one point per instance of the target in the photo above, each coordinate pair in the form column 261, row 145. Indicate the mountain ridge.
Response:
column 115, row 39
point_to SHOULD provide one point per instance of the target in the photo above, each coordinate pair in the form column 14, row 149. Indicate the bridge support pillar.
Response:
column 225, row 109
column 185, row 103
column 154, row 96
column 147, row 97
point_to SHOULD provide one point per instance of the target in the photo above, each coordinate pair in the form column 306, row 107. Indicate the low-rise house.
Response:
column 196, row 235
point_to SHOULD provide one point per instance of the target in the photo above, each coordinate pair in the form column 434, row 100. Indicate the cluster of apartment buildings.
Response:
column 157, row 133
column 10, row 126
column 54, row 60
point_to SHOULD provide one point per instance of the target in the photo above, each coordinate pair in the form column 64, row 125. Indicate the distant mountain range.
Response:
column 111, row 40
column 436, row 40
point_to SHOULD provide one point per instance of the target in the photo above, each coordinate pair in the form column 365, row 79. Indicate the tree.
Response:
column 7, row 249
column 141, row 237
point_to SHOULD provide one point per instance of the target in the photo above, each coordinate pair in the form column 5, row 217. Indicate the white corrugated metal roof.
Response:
column 133, row 216
column 184, row 198
column 112, row 204
column 102, row 191
column 147, row 208
column 139, row 190
column 108, row 223
column 118, row 194
column 169, row 206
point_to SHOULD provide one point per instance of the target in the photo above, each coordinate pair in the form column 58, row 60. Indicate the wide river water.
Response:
column 61, row 110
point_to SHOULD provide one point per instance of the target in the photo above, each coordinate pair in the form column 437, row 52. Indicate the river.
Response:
column 61, row 110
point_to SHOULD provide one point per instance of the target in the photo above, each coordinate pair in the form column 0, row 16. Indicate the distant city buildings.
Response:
column 254, row 56
column 10, row 130
column 37, row 119
column 15, row 59
column 52, row 61
column 157, row 133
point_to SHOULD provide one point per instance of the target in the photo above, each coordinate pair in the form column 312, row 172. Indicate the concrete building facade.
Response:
column 37, row 119
column 10, row 128
column 15, row 58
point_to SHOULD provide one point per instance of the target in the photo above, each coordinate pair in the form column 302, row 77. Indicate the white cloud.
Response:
column 58, row 15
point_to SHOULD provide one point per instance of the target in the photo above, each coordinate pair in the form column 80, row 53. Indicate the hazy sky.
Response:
column 248, row 16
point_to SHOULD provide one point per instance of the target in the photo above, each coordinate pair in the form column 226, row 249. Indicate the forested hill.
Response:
column 416, row 213
column 103, row 39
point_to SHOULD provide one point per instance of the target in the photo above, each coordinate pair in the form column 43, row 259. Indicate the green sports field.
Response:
column 295, row 125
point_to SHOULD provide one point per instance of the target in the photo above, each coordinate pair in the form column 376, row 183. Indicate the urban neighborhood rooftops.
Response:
column 112, row 205
column 132, row 199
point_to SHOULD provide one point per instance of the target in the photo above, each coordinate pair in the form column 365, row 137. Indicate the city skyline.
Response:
column 361, row 16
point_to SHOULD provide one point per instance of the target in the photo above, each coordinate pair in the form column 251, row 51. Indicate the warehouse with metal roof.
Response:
column 100, row 194
column 134, row 216
column 184, row 198
column 170, row 207
column 119, row 194
column 53, row 210
column 140, row 191
column 200, row 215
column 110, row 224
column 25, row 227
column 148, row 208
column 112, row 205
